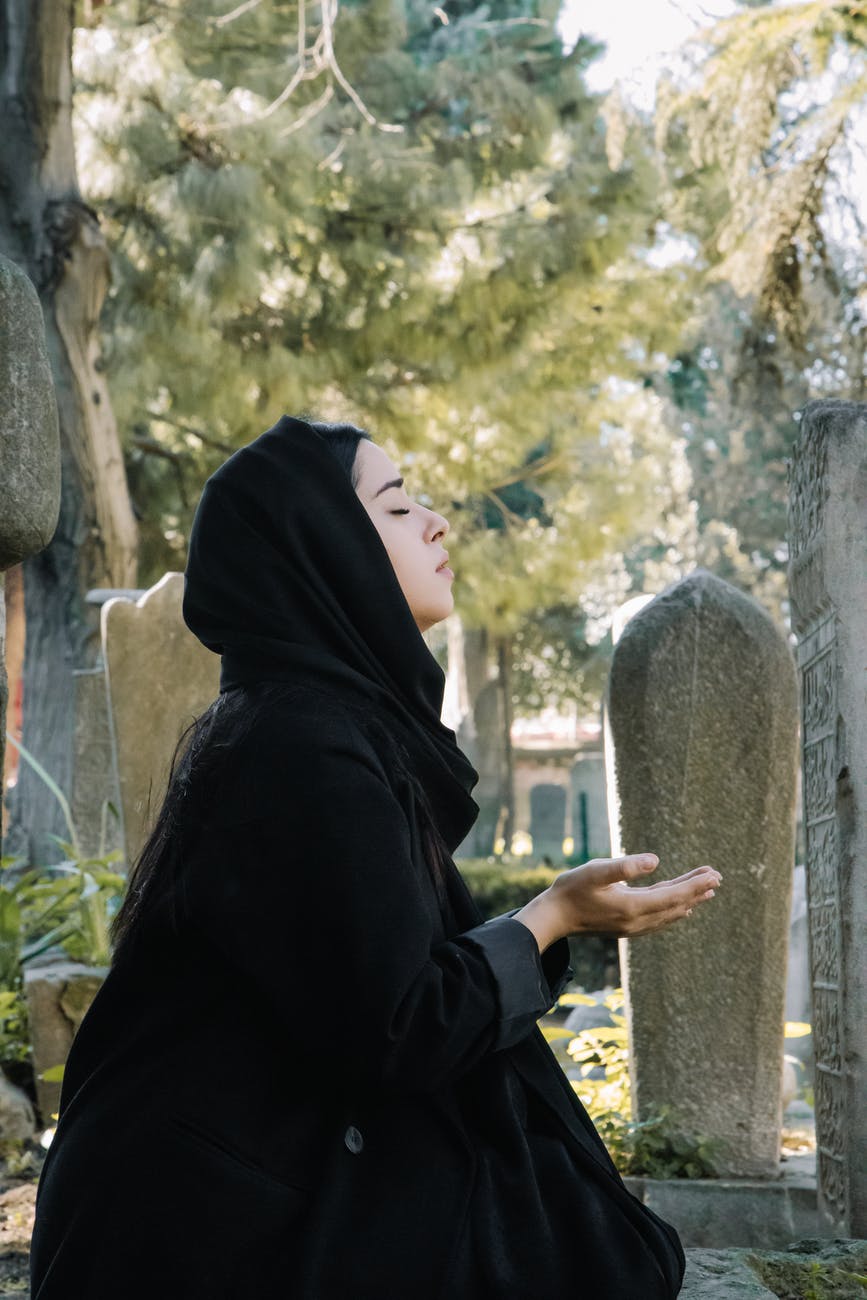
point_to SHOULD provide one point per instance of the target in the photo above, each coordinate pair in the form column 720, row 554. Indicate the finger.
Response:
column 671, row 895
column 660, row 920
column 706, row 873
column 710, row 874
column 608, row 871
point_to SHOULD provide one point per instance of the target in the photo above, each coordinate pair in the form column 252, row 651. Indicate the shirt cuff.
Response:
column 528, row 982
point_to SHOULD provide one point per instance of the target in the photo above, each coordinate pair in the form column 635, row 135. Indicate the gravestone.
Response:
column 58, row 992
column 29, row 438
column 29, row 443
column 703, row 715
column 160, row 678
column 828, row 587
column 547, row 819
column 589, row 813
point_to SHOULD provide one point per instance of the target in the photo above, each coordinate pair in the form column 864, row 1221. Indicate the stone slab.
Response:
column 160, row 679
column 702, row 709
column 719, row 1213
column 828, row 587
column 29, row 435
column 58, row 993
column 720, row 1275
column 808, row 1267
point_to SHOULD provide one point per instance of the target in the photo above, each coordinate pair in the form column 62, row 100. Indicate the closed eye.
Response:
column 399, row 512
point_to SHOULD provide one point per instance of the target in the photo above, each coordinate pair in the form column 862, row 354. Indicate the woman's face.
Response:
column 412, row 535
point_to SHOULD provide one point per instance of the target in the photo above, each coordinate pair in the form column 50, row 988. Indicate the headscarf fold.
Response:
column 287, row 579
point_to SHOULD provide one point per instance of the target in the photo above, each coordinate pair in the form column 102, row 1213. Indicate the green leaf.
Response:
column 553, row 1032
column 68, row 848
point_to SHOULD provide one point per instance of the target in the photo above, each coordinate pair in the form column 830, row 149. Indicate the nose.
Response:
column 443, row 526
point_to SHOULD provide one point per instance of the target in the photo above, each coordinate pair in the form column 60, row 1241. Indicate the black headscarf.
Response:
column 288, row 580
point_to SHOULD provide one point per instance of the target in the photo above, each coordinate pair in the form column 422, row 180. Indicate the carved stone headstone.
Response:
column 828, row 586
column 160, row 678
column 29, row 442
column 547, row 818
column 703, row 714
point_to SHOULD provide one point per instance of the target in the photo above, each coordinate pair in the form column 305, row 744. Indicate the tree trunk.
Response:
column 46, row 228
column 4, row 696
column 504, row 670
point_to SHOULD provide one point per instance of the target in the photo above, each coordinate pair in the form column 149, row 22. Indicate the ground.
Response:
column 808, row 1270
column 16, row 1224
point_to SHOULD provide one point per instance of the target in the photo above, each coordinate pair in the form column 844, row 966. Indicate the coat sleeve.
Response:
column 314, row 896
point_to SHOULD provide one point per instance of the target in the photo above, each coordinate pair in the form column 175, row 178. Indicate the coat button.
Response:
column 353, row 1139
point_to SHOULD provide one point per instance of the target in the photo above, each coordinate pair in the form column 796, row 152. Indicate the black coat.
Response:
column 313, row 1090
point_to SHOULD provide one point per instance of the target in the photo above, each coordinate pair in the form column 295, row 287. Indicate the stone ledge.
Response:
column 717, row 1213
column 737, row 1274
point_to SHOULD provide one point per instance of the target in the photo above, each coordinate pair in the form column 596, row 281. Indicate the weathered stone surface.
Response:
column 58, row 994
column 4, row 698
column 721, row 1275
column 29, row 438
column 703, row 714
column 29, row 444
column 810, row 1267
column 828, row 587
column 712, row 1213
column 160, row 679
column 17, row 1120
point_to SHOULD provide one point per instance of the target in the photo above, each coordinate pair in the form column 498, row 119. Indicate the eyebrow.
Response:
column 395, row 482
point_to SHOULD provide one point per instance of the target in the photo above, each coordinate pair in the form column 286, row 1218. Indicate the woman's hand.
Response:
column 596, row 898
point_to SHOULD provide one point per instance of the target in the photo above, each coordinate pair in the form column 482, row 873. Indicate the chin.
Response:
column 434, row 614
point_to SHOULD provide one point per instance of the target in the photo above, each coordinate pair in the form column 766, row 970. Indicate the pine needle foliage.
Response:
column 763, row 118
column 400, row 215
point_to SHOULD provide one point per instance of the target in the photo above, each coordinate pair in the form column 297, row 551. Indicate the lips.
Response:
column 443, row 564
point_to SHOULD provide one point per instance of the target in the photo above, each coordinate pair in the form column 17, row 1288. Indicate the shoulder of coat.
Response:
column 302, row 719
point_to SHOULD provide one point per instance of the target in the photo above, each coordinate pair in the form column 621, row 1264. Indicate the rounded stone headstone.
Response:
column 160, row 678
column 29, row 438
column 547, row 818
column 703, row 715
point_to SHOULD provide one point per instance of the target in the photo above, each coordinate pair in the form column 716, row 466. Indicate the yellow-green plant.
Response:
column 67, row 903
column 656, row 1147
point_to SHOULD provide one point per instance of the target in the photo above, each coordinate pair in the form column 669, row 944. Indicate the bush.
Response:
column 500, row 884
column 498, row 887
column 656, row 1147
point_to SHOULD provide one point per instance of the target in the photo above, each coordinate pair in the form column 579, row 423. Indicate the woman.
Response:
column 313, row 1070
